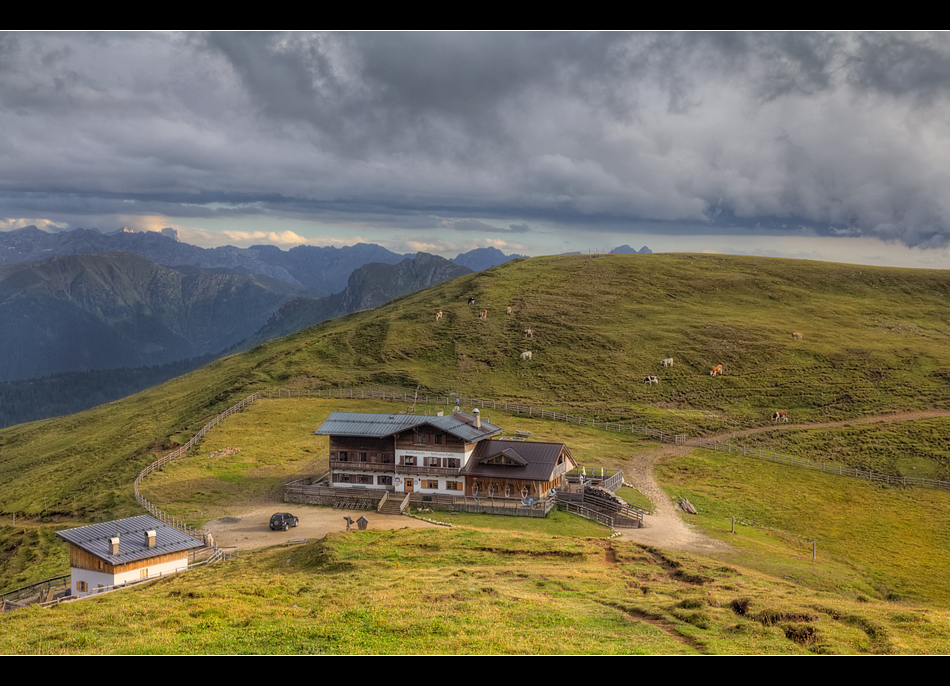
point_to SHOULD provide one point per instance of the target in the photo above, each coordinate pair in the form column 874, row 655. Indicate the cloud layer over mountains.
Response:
column 483, row 133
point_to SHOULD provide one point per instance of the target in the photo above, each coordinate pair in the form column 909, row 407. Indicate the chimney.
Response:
column 114, row 545
column 150, row 539
column 478, row 418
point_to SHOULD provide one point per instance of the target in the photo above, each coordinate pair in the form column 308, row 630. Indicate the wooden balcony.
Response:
column 385, row 467
column 428, row 471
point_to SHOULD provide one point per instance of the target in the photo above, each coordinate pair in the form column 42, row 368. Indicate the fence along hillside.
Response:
column 513, row 408
column 623, row 427
column 161, row 462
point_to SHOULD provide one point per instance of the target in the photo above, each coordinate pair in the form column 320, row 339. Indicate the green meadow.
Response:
column 875, row 342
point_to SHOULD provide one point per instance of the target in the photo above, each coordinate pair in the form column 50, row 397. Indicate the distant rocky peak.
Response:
column 171, row 233
column 627, row 250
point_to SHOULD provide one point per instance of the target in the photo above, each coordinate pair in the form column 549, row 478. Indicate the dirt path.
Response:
column 666, row 527
column 250, row 529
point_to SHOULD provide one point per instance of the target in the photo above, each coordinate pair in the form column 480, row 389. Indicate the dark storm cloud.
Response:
column 840, row 133
column 482, row 227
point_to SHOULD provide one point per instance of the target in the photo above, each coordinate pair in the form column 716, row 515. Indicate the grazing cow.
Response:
column 652, row 380
column 526, row 355
column 529, row 333
column 796, row 336
column 716, row 371
column 780, row 416
column 508, row 309
column 668, row 362
column 483, row 315
column 438, row 315
column 471, row 301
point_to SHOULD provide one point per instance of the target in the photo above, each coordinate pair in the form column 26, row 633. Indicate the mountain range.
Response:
column 140, row 305
column 323, row 270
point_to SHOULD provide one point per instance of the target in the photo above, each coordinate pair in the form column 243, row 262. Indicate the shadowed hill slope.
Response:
column 109, row 310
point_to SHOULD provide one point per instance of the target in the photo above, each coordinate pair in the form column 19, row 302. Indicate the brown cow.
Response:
column 483, row 315
column 716, row 371
column 780, row 416
column 438, row 315
column 796, row 336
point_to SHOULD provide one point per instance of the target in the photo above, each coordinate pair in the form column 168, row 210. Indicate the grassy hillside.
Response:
column 875, row 340
column 463, row 591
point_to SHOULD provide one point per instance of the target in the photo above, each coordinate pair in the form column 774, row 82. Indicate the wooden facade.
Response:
column 81, row 559
column 445, row 456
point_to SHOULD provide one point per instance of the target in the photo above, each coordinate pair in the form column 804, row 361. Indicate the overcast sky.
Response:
column 832, row 146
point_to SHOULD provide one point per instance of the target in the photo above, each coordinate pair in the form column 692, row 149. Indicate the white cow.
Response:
column 668, row 362
column 526, row 355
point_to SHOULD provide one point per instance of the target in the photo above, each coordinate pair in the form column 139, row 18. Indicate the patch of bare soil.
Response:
column 251, row 528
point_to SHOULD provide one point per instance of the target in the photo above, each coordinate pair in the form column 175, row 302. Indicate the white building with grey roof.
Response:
column 125, row 550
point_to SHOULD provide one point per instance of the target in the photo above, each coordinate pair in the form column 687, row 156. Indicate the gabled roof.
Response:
column 525, row 460
column 362, row 424
column 94, row 539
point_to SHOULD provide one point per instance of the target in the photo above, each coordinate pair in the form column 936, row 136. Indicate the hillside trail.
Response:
column 666, row 528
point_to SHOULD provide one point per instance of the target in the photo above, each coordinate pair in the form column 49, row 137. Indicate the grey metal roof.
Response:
column 537, row 460
column 369, row 425
column 94, row 539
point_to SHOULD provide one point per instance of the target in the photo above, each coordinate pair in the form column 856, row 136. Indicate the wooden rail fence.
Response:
column 623, row 427
column 161, row 462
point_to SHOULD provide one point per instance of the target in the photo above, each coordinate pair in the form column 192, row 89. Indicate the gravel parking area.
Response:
column 251, row 529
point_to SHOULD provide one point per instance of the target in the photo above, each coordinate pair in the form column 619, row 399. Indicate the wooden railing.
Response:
column 587, row 513
column 174, row 455
column 36, row 590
